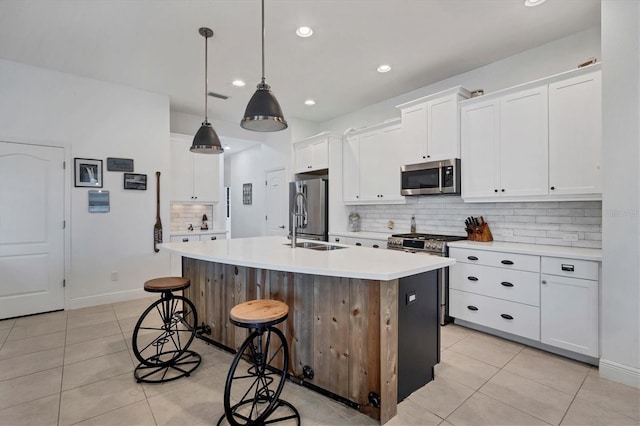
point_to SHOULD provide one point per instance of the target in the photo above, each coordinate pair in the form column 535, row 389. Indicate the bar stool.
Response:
column 259, row 369
column 164, row 332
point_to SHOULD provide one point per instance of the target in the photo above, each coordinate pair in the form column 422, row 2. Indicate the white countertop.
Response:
column 534, row 249
column 272, row 253
column 198, row 231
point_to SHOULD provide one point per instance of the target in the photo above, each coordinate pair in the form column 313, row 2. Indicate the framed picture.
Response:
column 246, row 193
column 135, row 181
column 99, row 202
column 88, row 173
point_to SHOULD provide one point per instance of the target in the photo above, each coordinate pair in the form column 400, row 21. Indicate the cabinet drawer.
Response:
column 573, row 268
column 516, row 286
column 521, row 262
column 510, row 317
column 184, row 238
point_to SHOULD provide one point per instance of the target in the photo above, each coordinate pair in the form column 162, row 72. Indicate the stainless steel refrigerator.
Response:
column 315, row 225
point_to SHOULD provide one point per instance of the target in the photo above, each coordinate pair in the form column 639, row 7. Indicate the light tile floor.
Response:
column 75, row 367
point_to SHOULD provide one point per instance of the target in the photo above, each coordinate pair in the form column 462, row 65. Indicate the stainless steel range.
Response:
column 435, row 245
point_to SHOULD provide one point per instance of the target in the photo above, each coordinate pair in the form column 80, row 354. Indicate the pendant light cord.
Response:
column 262, row 41
column 206, row 80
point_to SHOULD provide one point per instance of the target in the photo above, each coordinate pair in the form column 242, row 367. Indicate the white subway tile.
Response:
column 553, row 219
column 587, row 244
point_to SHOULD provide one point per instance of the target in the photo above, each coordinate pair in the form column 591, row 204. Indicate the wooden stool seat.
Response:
column 158, row 285
column 263, row 312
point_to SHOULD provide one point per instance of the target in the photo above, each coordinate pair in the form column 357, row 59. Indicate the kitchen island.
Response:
column 343, row 323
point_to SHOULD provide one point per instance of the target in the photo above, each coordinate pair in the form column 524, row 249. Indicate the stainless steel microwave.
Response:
column 432, row 178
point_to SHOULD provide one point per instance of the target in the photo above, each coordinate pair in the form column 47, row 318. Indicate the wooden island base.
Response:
column 344, row 329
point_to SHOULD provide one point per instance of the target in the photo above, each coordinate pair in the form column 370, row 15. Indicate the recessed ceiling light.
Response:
column 384, row 68
column 531, row 3
column 309, row 102
column 238, row 83
column 304, row 32
column 227, row 147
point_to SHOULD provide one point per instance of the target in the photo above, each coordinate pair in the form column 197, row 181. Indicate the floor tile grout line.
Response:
column 574, row 398
column 515, row 408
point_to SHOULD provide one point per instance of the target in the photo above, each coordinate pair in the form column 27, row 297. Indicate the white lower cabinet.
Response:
column 176, row 261
column 360, row 242
column 547, row 299
column 569, row 307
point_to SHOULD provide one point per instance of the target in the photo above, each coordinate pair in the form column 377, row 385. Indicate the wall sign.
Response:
column 88, row 173
column 135, row 181
column 119, row 164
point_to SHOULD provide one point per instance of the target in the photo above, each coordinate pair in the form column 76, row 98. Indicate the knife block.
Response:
column 480, row 233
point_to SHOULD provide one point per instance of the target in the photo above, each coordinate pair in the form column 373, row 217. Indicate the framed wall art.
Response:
column 135, row 181
column 99, row 202
column 88, row 172
column 246, row 193
column 119, row 164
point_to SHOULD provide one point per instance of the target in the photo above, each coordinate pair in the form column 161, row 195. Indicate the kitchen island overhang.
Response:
column 344, row 306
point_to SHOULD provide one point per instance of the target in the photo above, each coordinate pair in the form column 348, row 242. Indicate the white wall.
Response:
column 558, row 56
column 93, row 119
column 620, row 358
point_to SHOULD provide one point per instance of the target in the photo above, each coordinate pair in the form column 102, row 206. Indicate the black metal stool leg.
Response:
column 256, row 379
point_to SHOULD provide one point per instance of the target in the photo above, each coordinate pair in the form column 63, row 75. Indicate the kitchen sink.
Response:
column 315, row 246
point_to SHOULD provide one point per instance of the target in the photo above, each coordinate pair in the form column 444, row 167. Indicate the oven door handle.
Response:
column 440, row 171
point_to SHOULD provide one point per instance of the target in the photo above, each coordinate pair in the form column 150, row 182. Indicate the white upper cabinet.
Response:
column 371, row 165
column 575, row 129
column 430, row 127
column 538, row 141
column 194, row 177
column 312, row 154
column 523, row 143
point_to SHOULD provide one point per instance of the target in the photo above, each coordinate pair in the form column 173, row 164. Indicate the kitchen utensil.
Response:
column 157, row 228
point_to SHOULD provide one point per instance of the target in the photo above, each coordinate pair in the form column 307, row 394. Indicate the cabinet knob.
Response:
column 376, row 246
column 502, row 190
column 214, row 238
column 357, row 196
column 185, row 240
column 337, row 240
column 424, row 156
column 428, row 156
column 544, row 281
column 495, row 190
column 553, row 188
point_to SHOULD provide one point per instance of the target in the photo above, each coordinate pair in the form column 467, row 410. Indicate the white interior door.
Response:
column 31, row 229
column 276, row 203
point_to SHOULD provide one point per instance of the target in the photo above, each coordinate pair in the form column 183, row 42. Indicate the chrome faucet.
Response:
column 296, row 213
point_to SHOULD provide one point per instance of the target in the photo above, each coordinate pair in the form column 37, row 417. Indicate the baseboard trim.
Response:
column 620, row 373
column 101, row 299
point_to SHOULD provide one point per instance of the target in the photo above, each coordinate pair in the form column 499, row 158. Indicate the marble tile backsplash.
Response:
column 531, row 222
column 183, row 215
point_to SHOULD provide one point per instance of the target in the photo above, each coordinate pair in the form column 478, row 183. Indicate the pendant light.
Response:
column 263, row 113
column 206, row 141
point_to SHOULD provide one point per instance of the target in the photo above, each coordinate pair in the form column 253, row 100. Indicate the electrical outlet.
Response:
column 570, row 237
column 115, row 276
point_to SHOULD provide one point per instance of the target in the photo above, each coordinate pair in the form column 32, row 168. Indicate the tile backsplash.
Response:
column 530, row 222
column 183, row 215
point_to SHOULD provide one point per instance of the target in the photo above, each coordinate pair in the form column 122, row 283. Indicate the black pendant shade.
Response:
column 263, row 113
column 206, row 141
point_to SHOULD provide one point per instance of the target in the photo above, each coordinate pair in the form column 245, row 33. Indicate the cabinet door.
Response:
column 388, row 164
column 414, row 131
column 569, row 314
column 480, row 157
column 575, row 135
column 442, row 128
column 181, row 166
column 524, row 143
column 351, row 169
column 372, row 166
column 320, row 155
column 205, row 177
column 304, row 155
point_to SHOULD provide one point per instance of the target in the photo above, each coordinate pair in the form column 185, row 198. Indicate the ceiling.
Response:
column 155, row 45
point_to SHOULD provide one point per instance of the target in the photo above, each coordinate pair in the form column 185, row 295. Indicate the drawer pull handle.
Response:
column 472, row 278
column 358, row 244
column 506, row 262
column 506, row 284
column 472, row 258
column 376, row 246
column 566, row 267
column 472, row 308
column 185, row 240
column 506, row 316
column 214, row 238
